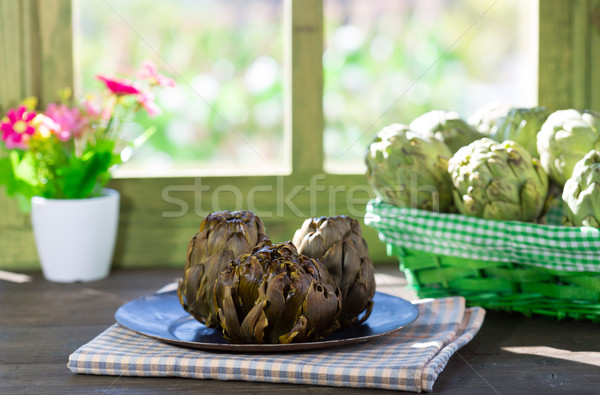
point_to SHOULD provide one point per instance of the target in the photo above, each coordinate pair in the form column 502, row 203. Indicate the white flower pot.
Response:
column 75, row 238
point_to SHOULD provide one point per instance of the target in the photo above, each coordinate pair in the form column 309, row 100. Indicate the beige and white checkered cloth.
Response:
column 410, row 359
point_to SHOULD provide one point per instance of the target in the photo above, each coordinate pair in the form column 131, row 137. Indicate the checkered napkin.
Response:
column 409, row 359
column 549, row 246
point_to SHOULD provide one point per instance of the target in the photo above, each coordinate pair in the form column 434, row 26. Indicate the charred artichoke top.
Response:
column 498, row 181
column 564, row 139
column 407, row 169
column 275, row 295
column 582, row 193
column 223, row 236
column 338, row 243
column 447, row 127
column 522, row 125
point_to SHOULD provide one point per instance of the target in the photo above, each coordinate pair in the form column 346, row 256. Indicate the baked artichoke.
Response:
column 223, row 236
column 581, row 193
column 407, row 169
column 275, row 295
column 564, row 139
column 338, row 243
column 485, row 118
column 522, row 125
column 498, row 181
column 447, row 127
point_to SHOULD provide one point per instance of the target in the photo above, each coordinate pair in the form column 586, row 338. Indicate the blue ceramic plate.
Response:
column 161, row 316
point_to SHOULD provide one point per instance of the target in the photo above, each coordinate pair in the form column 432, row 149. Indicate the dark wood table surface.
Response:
column 41, row 323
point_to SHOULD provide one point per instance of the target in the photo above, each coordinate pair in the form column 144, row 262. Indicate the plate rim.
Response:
column 267, row 347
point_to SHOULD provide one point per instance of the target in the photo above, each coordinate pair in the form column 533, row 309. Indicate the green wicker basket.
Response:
column 501, row 265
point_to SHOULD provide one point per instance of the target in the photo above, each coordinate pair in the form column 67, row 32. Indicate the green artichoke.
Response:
column 522, row 125
column 485, row 118
column 223, row 236
column 338, row 243
column 447, row 127
column 581, row 193
column 564, row 139
column 498, row 181
column 275, row 295
column 407, row 169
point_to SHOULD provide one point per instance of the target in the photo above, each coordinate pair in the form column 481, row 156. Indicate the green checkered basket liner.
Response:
column 504, row 265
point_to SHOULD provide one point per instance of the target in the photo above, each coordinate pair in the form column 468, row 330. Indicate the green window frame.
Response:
column 159, row 215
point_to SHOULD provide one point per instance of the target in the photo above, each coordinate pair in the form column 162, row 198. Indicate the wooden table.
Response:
column 41, row 323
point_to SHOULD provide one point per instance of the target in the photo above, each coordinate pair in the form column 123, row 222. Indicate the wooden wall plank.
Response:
column 11, row 45
column 569, row 54
column 30, row 64
column 55, row 47
column 155, row 229
column 581, row 54
column 36, row 60
column 158, row 216
column 304, row 83
column 18, row 249
column 594, row 56
column 15, row 83
column 555, row 66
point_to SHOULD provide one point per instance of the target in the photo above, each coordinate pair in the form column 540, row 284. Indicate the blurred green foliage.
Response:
column 385, row 61
column 225, row 56
column 391, row 61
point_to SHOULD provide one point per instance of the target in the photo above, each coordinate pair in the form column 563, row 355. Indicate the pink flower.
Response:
column 91, row 107
column 45, row 127
column 109, row 107
column 70, row 120
column 146, row 100
column 17, row 128
column 150, row 72
column 119, row 87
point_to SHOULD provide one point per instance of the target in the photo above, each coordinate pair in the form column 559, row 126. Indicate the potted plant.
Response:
column 56, row 163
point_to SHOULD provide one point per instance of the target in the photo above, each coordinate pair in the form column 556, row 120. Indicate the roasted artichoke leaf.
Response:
column 222, row 237
column 338, row 244
column 295, row 301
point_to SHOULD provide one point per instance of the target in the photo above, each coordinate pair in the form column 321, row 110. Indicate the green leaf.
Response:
column 7, row 177
column 85, row 175
column 24, row 167
column 16, row 175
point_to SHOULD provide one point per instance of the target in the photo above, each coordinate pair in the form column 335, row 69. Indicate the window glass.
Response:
column 226, row 113
column 389, row 61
